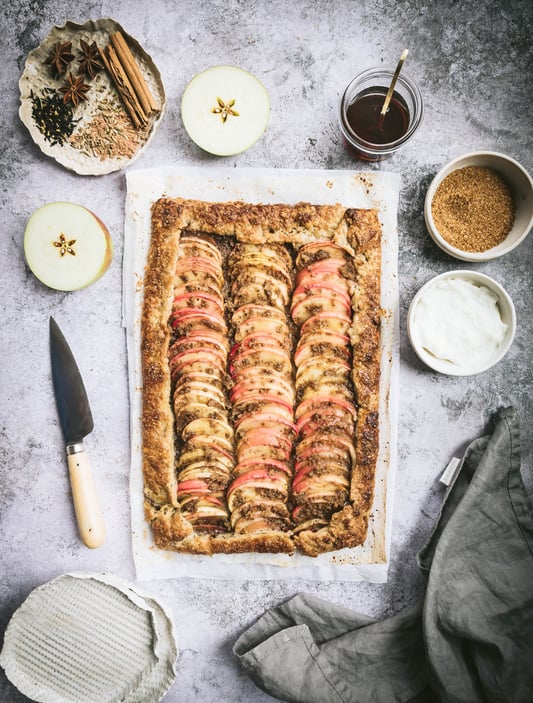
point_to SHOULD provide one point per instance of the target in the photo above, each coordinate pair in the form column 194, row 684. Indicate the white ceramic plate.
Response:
column 37, row 78
column 90, row 637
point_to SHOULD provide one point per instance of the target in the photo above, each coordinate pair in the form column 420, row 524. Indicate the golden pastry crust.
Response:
column 359, row 232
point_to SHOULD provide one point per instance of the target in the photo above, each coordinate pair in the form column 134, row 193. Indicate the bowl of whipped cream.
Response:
column 461, row 323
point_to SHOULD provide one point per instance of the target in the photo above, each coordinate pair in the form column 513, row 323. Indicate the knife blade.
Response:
column 77, row 422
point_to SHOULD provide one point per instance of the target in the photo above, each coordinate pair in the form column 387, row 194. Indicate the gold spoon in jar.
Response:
column 393, row 82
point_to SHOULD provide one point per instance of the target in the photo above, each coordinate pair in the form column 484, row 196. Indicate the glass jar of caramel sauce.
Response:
column 371, row 135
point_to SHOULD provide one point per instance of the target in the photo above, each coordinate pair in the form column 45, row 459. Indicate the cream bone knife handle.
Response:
column 86, row 503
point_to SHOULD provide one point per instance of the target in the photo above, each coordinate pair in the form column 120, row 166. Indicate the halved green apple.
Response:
column 225, row 110
column 66, row 246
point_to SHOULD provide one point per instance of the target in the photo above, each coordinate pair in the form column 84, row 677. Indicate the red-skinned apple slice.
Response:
column 329, row 346
column 193, row 487
column 316, row 420
column 274, row 357
column 215, row 478
column 270, row 385
column 188, row 502
column 198, row 300
column 193, row 411
column 272, row 466
column 204, row 448
column 218, row 473
column 199, row 377
column 312, row 373
column 195, row 243
column 192, row 287
column 205, row 426
column 261, row 269
column 188, row 359
column 311, row 525
column 314, row 304
column 317, row 453
column 264, row 436
column 199, row 276
column 220, row 444
column 197, row 338
column 184, row 321
column 321, row 287
column 262, row 325
column 259, row 478
column 183, row 399
column 321, row 267
column 216, row 373
column 188, row 356
column 334, row 486
column 259, row 407
column 269, row 419
column 245, row 312
column 214, row 474
column 203, row 512
column 205, row 391
column 66, row 246
column 196, row 342
column 323, row 249
column 309, row 473
column 263, row 291
column 225, row 110
column 263, row 451
column 254, row 398
column 208, row 455
column 319, row 402
column 199, row 263
column 271, row 252
column 327, row 322
column 183, row 312
column 338, row 389
column 274, row 508
column 258, row 525
column 324, row 366
column 258, row 340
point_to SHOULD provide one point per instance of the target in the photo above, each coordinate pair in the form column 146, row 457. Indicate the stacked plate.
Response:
column 90, row 637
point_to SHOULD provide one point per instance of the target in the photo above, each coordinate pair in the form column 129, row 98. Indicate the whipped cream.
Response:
column 459, row 321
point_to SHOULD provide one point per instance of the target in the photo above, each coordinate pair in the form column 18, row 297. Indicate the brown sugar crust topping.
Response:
column 307, row 362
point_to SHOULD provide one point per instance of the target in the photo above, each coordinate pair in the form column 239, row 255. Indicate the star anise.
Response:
column 74, row 90
column 90, row 62
column 60, row 57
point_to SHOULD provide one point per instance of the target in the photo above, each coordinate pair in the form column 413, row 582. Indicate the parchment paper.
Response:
column 367, row 562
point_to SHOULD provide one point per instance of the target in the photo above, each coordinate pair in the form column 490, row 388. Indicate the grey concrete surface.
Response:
column 473, row 63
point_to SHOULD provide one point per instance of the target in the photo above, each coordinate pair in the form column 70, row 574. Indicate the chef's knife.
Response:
column 77, row 423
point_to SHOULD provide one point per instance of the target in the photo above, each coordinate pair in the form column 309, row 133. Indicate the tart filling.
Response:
column 260, row 359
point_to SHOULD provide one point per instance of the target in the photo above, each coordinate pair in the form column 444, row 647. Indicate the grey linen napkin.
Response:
column 470, row 641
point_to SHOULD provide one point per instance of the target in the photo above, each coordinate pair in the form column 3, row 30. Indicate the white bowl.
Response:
column 462, row 322
column 521, row 186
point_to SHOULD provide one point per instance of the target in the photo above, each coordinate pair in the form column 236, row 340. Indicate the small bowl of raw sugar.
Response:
column 479, row 206
column 461, row 323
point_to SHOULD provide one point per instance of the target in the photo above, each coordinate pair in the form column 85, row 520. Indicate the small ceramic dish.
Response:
column 461, row 323
column 521, row 187
column 90, row 637
column 96, row 136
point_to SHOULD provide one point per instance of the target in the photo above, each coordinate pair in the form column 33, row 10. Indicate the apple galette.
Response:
column 261, row 370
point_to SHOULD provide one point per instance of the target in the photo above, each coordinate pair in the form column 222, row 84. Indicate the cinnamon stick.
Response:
column 125, row 89
column 134, row 74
